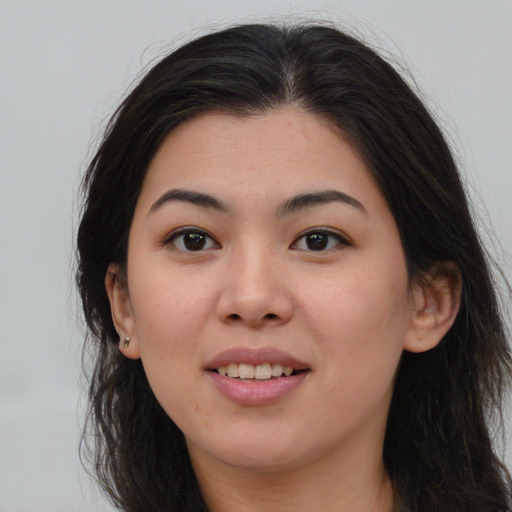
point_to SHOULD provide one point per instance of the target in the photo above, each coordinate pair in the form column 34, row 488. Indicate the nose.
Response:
column 254, row 291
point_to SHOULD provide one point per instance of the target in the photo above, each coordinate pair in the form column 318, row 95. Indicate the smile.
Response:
column 256, row 377
column 265, row 371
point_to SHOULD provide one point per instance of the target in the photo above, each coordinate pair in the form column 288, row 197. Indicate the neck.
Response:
column 358, row 483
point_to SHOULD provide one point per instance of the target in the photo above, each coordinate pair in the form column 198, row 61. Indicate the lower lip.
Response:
column 256, row 392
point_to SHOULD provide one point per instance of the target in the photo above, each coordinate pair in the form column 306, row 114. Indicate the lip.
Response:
column 256, row 392
column 255, row 356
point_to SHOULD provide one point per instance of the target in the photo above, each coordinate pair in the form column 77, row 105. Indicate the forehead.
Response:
column 267, row 155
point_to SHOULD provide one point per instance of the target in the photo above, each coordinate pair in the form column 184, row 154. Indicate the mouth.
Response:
column 257, row 372
column 256, row 377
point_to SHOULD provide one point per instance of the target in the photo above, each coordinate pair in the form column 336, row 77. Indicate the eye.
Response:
column 319, row 240
column 192, row 240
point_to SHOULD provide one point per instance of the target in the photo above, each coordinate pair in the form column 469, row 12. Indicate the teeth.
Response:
column 263, row 371
column 277, row 370
column 249, row 371
column 233, row 370
column 246, row 371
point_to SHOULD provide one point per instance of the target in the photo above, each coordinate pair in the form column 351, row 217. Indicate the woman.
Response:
column 289, row 304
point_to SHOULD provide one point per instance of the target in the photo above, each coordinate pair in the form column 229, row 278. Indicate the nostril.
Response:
column 269, row 316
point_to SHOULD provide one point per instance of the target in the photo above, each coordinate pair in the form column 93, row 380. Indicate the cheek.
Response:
column 361, row 320
column 353, row 305
column 168, row 307
column 169, row 328
column 171, row 315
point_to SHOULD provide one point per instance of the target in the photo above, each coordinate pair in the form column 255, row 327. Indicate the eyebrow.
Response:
column 307, row 200
column 189, row 196
column 292, row 205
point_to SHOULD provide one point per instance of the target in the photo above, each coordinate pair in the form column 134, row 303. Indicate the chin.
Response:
column 261, row 450
column 250, row 450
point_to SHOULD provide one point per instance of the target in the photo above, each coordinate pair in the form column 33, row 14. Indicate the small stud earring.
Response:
column 429, row 310
column 126, row 342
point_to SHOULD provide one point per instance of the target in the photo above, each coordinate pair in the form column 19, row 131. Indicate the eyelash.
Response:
column 341, row 240
column 176, row 236
column 176, row 239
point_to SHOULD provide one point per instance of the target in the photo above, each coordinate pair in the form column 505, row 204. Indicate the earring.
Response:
column 126, row 342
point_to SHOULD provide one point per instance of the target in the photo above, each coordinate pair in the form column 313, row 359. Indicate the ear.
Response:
column 435, row 304
column 120, row 307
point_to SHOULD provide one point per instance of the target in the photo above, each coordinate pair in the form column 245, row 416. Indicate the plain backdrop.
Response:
column 64, row 67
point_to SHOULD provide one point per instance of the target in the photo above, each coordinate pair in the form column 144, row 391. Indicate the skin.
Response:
column 348, row 311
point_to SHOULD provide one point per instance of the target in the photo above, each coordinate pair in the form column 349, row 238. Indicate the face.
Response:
column 267, row 291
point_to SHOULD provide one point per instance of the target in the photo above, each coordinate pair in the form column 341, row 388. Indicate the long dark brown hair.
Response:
column 438, row 447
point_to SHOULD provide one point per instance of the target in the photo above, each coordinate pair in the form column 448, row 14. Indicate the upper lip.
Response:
column 255, row 356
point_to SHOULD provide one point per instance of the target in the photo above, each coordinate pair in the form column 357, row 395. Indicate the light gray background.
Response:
column 64, row 66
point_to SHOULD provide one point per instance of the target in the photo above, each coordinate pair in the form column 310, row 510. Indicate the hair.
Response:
column 438, row 448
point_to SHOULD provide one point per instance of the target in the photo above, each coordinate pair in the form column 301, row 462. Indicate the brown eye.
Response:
column 319, row 241
column 192, row 241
